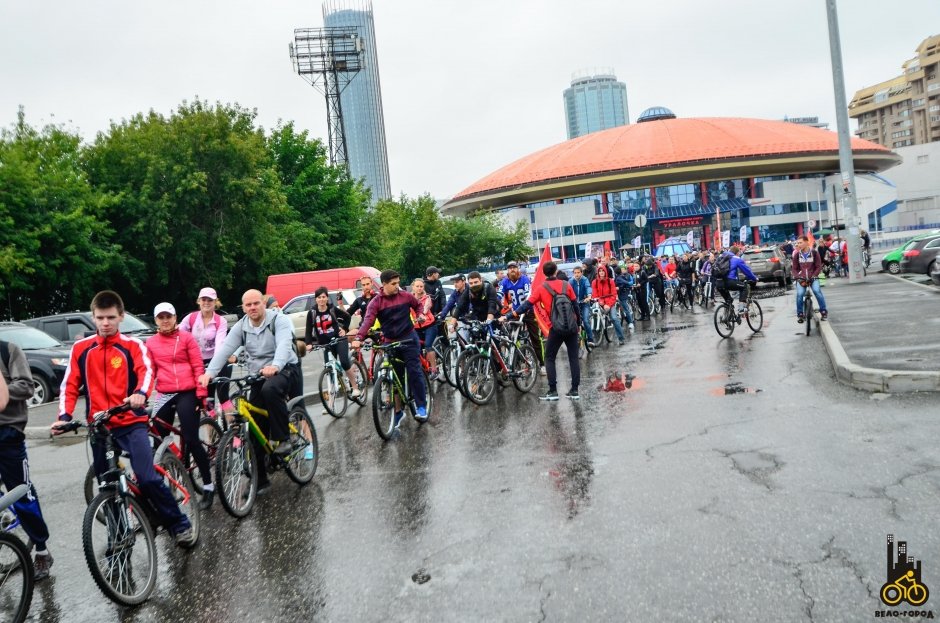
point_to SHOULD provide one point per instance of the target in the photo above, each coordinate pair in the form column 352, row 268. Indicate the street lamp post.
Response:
column 850, row 209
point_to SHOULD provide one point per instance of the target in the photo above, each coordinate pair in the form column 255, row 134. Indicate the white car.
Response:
column 297, row 308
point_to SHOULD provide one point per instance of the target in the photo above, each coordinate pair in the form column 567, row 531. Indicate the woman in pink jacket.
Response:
column 178, row 363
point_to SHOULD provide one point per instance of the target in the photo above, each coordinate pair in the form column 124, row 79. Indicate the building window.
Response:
column 919, row 102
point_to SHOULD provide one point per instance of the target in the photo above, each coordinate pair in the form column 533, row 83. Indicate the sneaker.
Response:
column 591, row 344
column 573, row 395
column 283, row 448
column 801, row 318
column 41, row 565
column 631, row 327
column 620, row 343
column 742, row 309
column 543, row 371
column 206, row 502
column 432, row 376
column 421, row 414
column 263, row 487
column 823, row 314
column 185, row 538
column 356, row 393
column 549, row 395
column 399, row 416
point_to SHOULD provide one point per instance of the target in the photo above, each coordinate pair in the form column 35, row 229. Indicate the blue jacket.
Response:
column 582, row 288
column 624, row 282
column 739, row 264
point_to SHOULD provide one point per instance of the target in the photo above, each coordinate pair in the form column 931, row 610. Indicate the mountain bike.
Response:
column 504, row 359
column 601, row 324
column 335, row 387
column 726, row 317
column 236, row 463
column 705, row 291
column 392, row 392
column 669, row 294
column 119, row 526
column 16, row 568
column 808, row 300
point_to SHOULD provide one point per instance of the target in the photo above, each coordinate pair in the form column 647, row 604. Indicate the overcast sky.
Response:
column 467, row 86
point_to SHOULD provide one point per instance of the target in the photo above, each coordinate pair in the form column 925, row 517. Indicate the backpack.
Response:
column 216, row 320
column 722, row 266
column 564, row 318
column 299, row 346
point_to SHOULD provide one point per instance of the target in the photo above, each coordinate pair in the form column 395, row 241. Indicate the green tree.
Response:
column 55, row 245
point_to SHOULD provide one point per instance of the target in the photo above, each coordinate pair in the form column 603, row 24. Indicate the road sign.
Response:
column 811, row 223
column 640, row 220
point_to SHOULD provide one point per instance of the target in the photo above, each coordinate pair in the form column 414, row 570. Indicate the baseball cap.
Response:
column 164, row 308
column 208, row 293
column 512, row 264
column 432, row 270
column 460, row 277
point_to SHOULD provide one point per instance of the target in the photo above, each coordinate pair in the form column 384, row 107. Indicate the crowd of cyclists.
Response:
column 176, row 368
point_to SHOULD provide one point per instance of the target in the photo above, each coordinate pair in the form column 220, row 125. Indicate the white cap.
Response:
column 164, row 308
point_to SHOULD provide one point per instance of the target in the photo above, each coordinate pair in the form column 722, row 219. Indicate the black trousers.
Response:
column 535, row 336
column 551, row 352
column 642, row 301
column 184, row 404
column 14, row 471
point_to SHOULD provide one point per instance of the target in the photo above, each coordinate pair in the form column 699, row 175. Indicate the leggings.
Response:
column 184, row 403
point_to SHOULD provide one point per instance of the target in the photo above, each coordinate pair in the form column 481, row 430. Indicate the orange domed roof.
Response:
column 661, row 147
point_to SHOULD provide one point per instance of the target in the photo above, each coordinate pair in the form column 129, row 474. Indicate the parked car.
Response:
column 47, row 357
column 72, row 326
column 297, row 308
column 891, row 262
column 770, row 264
column 921, row 256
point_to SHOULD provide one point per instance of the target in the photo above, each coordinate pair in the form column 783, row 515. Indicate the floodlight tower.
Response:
column 329, row 58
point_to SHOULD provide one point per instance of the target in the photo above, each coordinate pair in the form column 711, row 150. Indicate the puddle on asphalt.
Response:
column 619, row 382
column 675, row 328
column 734, row 388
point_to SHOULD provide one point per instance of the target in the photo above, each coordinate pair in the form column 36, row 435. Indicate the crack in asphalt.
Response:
column 707, row 510
column 759, row 475
column 881, row 493
column 700, row 433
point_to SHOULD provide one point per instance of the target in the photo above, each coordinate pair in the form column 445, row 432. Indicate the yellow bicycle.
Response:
column 915, row 593
column 236, row 466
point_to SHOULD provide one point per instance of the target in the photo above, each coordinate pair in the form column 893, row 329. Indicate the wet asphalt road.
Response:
column 736, row 480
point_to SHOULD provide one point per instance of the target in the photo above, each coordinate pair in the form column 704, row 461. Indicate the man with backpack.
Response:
column 557, row 298
column 14, row 465
column 727, row 273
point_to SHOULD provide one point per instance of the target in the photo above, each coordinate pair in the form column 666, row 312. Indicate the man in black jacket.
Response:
column 479, row 298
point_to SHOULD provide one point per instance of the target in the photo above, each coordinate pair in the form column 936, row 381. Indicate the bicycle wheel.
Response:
column 525, row 368
column 236, row 472
column 16, row 579
column 179, row 483
column 305, row 453
column 481, row 379
column 608, row 330
column 809, row 317
column 461, row 369
column 504, row 378
column 755, row 316
column 449, row 364
column 363, row 381
column 724, row 322
column 383, row 405
column 120, row 551
column 91, row 485
column 210, row 432
column 333, row 391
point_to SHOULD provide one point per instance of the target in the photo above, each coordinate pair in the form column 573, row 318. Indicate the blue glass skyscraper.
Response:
column 361, row 101
column 595, row 101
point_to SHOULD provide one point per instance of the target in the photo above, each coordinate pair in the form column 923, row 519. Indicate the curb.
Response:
column 874, row 379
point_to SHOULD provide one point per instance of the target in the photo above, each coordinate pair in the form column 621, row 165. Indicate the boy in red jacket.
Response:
column 115, row 369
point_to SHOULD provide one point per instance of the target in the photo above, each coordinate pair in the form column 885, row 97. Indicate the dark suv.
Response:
column 47, row 358
column 73, row 326
column 769, row 264
column 921, row 256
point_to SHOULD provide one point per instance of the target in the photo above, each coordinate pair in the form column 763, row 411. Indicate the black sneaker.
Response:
column 573, row 395
column 263, row 487
column 549, row 395
column 823, row 315
column 186, row 538
column 206, row 502
column 801, row 319
column 41, row 565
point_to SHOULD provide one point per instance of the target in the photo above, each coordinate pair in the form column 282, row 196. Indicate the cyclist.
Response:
column 625, row 281
column 325, row 322
column 652, row 277
column 705, row 272
column 478, row 299
column 544, row 297
column 268, row 339
column 178, row 365
column 685, row 271
column 115, row 368
column 209, row 329
column 582, row 293
column 460, row 284
column 605, row 291
column 669, row 273
column 515, row 289
column 362, row 301
column 808, row 265
column 589, row 268
column 393, row 308
column 425, row 324
column 17, row 378
column 500, row 275
column 733, row 279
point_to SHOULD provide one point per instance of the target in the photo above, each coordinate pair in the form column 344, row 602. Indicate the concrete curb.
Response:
column 874, row 379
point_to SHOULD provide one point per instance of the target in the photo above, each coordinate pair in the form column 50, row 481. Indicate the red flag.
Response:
column 541, row 314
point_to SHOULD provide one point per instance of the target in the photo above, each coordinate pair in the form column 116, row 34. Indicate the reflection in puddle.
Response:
column 621, row 382
column 734, row 388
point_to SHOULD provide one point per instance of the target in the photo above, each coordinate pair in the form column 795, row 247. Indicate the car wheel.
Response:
column 894, row 268
column 41, row 390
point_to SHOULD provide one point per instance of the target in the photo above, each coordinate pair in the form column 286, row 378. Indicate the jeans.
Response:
column 586, row 319
column 817, row 291
column 615, row 320
column 14, row 471
column 626, row 309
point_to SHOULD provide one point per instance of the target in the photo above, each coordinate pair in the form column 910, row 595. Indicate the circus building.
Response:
column 760, row 180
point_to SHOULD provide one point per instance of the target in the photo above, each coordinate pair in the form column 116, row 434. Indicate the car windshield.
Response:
column 29, row 338
column 132, row 324
column 759, row 255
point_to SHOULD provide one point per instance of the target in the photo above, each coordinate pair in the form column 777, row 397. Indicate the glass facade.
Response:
column 361, row 102
column 549, row 233
column 594, row 103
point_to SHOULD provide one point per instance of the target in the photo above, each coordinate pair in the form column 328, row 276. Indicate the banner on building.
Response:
column 726, row 238
column 690, row 238
column 742, row 235
column 637, row 241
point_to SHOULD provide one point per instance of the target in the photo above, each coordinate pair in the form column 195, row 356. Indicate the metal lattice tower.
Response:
column 329, row 58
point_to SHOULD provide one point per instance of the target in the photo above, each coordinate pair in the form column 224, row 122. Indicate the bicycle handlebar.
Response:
column 98, row 419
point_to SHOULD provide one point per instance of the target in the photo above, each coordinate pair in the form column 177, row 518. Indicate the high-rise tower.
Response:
column 595, row 101
column 362, row 100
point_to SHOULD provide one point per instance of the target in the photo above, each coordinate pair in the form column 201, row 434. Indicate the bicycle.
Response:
column 124, row 569
column 16, row 569
column 334, row 384
column 669, row 294
column 726, row 317
column 705, row 288
column 808, row 305
column 893, row 592
column 601, row 324
column 391, row 391
column 504, row 359
column 236, row 466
